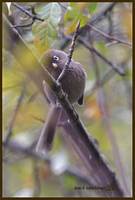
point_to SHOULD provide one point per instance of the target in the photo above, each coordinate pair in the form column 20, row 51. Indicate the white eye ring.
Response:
column 56, row 58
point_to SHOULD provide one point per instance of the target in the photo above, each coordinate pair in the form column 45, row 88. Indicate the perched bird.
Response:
column 73, row 84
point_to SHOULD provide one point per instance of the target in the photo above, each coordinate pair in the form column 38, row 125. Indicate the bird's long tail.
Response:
column 48, row 131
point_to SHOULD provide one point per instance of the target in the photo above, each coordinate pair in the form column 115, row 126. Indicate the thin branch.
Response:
column 33, row 16
column 96, row 18
column 24, row 25
column 109, row 37
column 70, row 54
column 117, row 69
column 62, row 5
column 14, row 115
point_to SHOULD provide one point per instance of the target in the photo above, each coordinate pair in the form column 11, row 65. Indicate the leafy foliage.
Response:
column 46, row 32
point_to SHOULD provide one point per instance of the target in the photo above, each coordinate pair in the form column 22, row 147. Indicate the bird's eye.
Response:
column 56, row 58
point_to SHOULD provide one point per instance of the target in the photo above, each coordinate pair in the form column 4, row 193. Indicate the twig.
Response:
column 109, row 37
column 117, row 69
column 96, row 18
column 62, row 5
column 14, row 115
column 24, row 25
column 97, row 166
column 70, row 54
column 33, row 16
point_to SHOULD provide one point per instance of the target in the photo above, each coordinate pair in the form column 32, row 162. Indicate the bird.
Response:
column 72, row 83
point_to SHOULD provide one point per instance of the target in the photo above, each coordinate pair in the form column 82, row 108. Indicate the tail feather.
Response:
column 48, row 131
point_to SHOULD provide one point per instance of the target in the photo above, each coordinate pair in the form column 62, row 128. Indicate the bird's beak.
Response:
column 54, row 65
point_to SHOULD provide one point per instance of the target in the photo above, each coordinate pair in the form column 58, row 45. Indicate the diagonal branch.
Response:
column 70, row 53
column 109, row 37
column 14, row 115
column 116, row 68
column 96, row 18
column 32, row 15
column 27, row 151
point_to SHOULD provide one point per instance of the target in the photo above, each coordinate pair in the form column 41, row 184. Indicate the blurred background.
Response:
column 103, row 46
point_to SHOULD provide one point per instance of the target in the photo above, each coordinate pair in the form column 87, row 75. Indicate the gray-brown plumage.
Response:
column 73, row 84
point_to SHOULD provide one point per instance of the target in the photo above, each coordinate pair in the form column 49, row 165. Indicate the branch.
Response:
column 24, row 25
column 20, row 149
column 96, row 18
column 73, row 171
column 109, row 36
column 117, row 69
column 14, row 115
column 96, row 165
column 109, row 74
column 70, row 54
column 32, row 15
column 64, row 7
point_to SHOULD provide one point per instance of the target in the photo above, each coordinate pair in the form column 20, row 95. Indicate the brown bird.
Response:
column 73, row 84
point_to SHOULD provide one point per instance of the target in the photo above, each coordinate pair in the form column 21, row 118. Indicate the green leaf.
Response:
column 71, row 18
column 51, row 12
column 46, row 32
column 92, row 7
